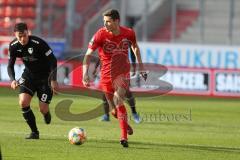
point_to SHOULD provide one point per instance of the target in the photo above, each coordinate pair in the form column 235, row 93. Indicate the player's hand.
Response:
column 14, row 84
column 86, row 81
column 54, row 86
column 144, row 75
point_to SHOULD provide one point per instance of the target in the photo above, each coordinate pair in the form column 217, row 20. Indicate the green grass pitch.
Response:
column 182, row 128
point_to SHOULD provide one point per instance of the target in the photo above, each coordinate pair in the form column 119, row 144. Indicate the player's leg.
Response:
column 44, row 94
column 108, row 94
column 24, row 102
column 109, row 97
column 105, row 117
column 25, row 96
column 122, row 115
column 121, row 85
column 44, row 109
column 132, row 103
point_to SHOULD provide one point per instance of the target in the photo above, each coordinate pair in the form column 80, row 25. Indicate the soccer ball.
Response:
column 77, row 136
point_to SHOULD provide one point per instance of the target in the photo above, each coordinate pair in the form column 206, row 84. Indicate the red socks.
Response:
column 122, row 118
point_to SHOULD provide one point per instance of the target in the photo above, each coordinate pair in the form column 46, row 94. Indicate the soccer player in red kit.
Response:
column 112, row 42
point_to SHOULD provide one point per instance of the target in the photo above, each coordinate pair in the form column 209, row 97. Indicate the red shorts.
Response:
column 109, row 87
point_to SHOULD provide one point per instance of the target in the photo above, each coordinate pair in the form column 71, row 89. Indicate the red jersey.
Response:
column 113, row 52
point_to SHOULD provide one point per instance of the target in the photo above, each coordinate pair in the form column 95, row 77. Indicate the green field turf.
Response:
column 173, row 128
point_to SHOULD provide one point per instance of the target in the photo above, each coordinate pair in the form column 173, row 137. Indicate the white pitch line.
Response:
column 24, row 133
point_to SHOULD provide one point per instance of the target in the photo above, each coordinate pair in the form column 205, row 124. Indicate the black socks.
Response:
column 105, row 105
column 30, row 118
column 131, row 101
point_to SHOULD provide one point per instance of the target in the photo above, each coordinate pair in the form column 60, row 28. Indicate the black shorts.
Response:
column 41, row 86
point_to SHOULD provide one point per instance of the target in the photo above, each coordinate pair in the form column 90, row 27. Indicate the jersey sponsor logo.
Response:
column 29, row 59
column 110, row 46
column 30, row 50
column 19, row 50
column 48, row 52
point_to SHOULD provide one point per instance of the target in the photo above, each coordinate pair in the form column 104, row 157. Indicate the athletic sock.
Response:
column 30, row 118
column 131, row 102
column 122, row 118
column 105, row 105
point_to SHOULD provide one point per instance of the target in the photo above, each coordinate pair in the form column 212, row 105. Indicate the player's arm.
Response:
column 52, row 61
column 53, row 66
column 94, row 43
column 133, row 59
column 11, row 72
column 53, row 69
column 96, row 67
column 86, row 62
column 136, row 51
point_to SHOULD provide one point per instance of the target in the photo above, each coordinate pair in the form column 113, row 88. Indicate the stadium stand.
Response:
column 184, row 19
column 12, row 11
column 86, row 9
column 53, row 16
column 216, row 24
column 188, row 19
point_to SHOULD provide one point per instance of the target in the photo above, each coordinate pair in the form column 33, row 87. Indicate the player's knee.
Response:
column 24, row 102
column 116, row 95
column 118, row 100
column 43, row 108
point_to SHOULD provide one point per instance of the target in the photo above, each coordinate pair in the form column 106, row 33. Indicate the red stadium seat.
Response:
column 3, row 2
column 8, row 11
column 2, row 13
column 18, row 2
column 5, row 23
column 31, row 24
column 10, row 2
column 19, row 12
column 30, row 2
column 29, row 12
column 13, row 11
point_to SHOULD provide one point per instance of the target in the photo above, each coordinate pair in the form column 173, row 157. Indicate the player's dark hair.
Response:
column 113, row 13
column 20, row 27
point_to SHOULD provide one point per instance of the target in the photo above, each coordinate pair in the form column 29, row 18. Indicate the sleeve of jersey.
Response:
column 53, row 66
column 133, row 37
column 45, row 48
column 95, row 41
column 51, row 60
column 10, row 67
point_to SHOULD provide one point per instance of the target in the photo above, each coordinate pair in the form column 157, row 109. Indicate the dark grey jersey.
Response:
column 37, row 57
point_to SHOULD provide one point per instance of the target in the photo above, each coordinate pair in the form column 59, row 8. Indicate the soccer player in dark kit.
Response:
column 39, row 75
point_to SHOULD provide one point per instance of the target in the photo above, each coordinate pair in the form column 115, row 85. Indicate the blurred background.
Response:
column 171, row 21
column 198, row 37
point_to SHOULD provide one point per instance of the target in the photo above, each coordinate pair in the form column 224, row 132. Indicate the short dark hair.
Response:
column 113, row 13
column 20, row 27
